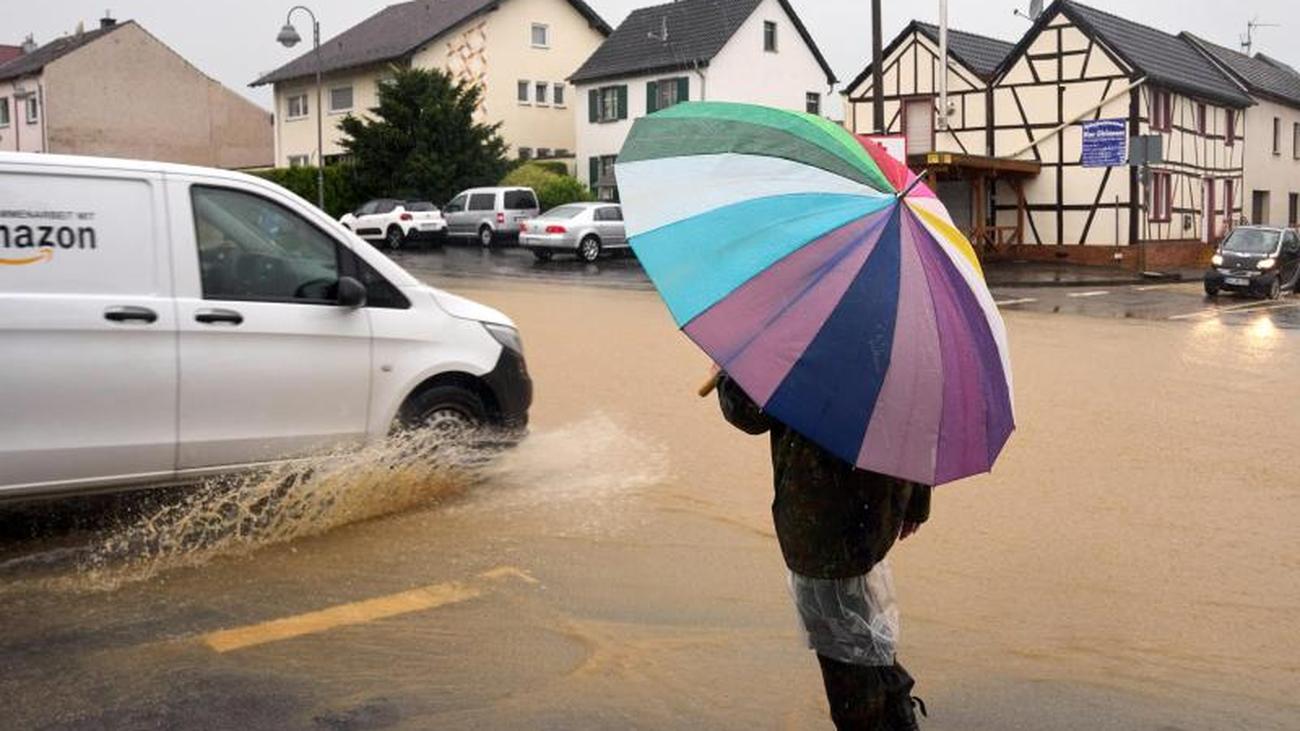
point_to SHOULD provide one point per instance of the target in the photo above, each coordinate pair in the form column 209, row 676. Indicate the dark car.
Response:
column 1256, row 260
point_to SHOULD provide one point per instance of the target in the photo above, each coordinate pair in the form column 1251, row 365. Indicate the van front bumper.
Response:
column 512, row 388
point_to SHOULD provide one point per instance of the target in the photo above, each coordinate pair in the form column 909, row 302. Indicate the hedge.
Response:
column 553, row 189
column 341, row 194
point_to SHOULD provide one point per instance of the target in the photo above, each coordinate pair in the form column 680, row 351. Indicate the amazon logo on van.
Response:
column 37, row 243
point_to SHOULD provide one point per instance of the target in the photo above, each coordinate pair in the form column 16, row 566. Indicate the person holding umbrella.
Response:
column 835, row 524
column 850, row 320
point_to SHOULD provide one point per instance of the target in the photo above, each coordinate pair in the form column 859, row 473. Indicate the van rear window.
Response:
column 520, row 200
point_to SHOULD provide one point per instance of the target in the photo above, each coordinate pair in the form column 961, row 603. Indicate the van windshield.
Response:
column 1251, row 241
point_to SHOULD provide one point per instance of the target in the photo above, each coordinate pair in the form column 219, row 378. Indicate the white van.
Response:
column 160, row 323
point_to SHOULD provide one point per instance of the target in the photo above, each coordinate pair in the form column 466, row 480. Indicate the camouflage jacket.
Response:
column 833, row 521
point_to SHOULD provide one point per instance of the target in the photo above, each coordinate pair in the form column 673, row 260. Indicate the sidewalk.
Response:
column 1048, row 274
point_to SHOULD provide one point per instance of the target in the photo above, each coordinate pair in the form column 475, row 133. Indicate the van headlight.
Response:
column 1268, row 263
column 506, row 335
column 1217, row 260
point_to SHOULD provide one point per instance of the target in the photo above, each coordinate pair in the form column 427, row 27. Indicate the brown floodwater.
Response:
column 1132, row 562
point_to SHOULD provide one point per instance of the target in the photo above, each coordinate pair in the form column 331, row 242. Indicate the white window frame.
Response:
column 527, row 87
column 288, row 107
column 557, row 95
column 540, row 94
column 351, row 92
column 546, row 35
column 6, row 117
column 299, row 161
column 32, row 109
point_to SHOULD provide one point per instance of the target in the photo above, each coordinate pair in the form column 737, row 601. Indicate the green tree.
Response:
column 422, row 140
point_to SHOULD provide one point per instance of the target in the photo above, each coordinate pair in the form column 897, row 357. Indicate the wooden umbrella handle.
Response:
column 708, row 386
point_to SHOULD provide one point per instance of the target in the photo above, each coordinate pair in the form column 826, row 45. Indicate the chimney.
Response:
column 107, row 21
column 29, row 44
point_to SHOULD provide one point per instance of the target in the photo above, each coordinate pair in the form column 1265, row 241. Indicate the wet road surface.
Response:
column 1130, row 564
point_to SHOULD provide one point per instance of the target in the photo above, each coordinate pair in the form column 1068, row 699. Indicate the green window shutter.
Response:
column 684, row 89
column 622, row 102
column 651, row 96
column 593, row 105
column 594, row 165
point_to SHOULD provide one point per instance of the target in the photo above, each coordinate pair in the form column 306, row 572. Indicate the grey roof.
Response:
column 697, row 31
column 396, row 32
column 981, row 54
column 1275, row 62
column 1165, row 59
column 1258, row 76
column 50, row 52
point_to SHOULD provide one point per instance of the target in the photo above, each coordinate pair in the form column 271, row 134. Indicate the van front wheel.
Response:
column 447, row 412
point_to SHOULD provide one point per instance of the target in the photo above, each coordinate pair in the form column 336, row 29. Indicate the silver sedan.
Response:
column 584, row 229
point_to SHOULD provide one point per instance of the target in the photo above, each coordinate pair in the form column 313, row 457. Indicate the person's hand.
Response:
column 909, row 528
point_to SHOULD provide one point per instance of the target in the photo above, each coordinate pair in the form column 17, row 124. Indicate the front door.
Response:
column 918, row 125
column 271, row 366
column 87, row 331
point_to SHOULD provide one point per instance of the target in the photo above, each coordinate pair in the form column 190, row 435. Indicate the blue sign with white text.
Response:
column 1105, row 143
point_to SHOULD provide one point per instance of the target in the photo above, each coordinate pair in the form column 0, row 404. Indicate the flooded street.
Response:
column 1131, row 564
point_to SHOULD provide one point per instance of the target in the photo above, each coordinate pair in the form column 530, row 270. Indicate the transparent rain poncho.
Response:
column 852, row 620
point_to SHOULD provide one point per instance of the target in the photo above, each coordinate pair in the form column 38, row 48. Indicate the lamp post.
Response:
column 289, row 38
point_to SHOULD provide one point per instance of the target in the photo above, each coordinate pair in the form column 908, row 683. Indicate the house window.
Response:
column 1295, row 140
column 525, row 153
column 558, row 98
column 1293, row 209
column 541, row 35
column 1277, row 135
column 33, row 110
column 1162, row 110
column 607, row 104
column 524, row 87
column 297, row 106
column 542, row 88
column 769, row 36
column 1232, row 127
column 341, row 99
column 544, row 153
column 813, row 103
column 664, row 93
column 299, row 161
column 1200, row 118
column 1259, row 205
column 1162, row 198
column 602, row 177
column 4, row 111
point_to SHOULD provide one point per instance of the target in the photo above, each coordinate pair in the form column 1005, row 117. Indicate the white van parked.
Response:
column 160, row 323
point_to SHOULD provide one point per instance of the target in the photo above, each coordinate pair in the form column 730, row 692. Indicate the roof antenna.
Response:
column 662, row 34
column 1248, row 40
column 1035, row 10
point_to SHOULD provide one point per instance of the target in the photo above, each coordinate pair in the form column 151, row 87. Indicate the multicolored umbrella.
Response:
column 857, row 316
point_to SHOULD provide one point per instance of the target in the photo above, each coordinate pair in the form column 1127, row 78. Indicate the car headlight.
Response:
column 1268, row 263
column 507, row 336
column 1216, row 260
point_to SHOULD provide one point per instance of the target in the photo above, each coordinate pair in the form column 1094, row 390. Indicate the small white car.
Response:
column 396, row 223
column 161, row 323
column 488, row 215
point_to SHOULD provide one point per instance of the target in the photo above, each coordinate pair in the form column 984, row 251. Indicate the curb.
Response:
column 1145, row 277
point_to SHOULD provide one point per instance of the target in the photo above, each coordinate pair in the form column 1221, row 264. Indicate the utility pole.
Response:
column 877, row 81
column 943, row 59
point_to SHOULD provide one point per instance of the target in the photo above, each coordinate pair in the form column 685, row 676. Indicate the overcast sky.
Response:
column 234, row 40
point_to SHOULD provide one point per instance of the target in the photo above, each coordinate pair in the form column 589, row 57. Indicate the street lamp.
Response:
column 289, row 38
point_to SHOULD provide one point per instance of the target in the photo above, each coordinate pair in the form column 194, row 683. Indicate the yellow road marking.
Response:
column 354, row 613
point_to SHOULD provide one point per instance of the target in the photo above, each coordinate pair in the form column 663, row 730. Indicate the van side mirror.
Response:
column 351, row 293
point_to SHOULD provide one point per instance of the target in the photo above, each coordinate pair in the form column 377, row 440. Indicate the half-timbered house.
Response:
column 1078, row 64
column 911, row 72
